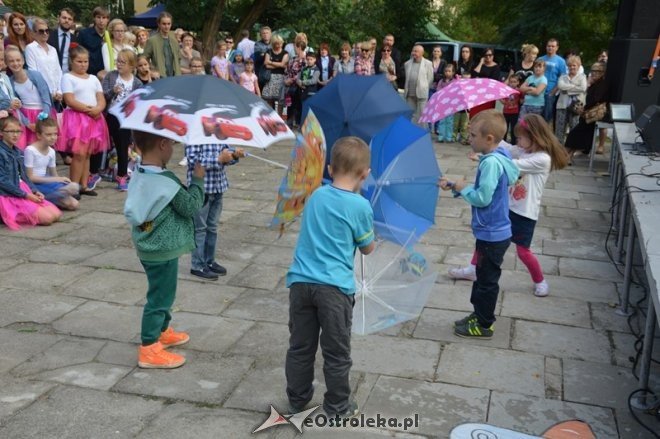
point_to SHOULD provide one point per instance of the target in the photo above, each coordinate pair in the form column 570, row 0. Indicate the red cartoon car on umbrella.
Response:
column 223, row 128
column 270, row 125
column 166, row 118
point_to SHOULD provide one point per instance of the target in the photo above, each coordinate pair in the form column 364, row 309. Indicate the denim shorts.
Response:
column 522, row 229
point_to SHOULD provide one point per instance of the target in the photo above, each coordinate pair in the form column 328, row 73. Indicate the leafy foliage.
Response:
column 29, row 7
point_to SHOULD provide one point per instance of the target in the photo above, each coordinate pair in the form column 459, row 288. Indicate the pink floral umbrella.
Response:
column 463, row 94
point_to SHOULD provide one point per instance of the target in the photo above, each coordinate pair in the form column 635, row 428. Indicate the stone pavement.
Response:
column 72, row 296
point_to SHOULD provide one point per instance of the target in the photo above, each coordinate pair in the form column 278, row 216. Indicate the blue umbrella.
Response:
column 402, row 186
column 352, row 105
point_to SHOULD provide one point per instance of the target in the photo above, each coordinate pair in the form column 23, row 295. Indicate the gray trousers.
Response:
column 319, row 312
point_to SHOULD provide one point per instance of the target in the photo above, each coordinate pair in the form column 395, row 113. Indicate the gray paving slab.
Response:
column 42, row 277
column 558, row 202
column 605, row 318
column 8, row 262
column 561, row 341
column 210, row 333
column 100, row 236
column 123, row 354
column 495, row 369
column 253, row 304
column 437, row 324
column 66, row 352
column 551, row 310
column 51, row 232
column 267, row 342
column 122, row 258
column 19, row 306
column 406, row 358
column 17, row 346
column 102, row 320
column 440, row 406
column 588, row 269
column 63, row 253
column 78, row 412
column 16, row 394
column 451, row 296
column 580, row 249
column 204, row 298
column 101, row 219
column 629, row 428
column 591, row 290
column 112, row 286
column 534, row 415
column 97, row 376
column 256, row 276
column 206, row 378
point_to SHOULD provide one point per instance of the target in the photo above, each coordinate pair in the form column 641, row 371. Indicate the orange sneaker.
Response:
column 170, row 338
column 155, row 357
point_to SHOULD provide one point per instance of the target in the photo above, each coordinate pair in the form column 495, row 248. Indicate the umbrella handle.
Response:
column 279, row 165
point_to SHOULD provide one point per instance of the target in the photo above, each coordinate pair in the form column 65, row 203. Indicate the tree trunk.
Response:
column 248, row 20
column 210, row 29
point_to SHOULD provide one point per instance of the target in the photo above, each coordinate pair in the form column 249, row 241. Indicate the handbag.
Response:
column 576, row 106
column 264, row 75
column 595, row 113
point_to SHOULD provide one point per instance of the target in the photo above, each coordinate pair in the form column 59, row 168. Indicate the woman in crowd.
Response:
column 387, row 66
column 439, row 65
column 276, row 60
column 525, row 67
column 465, row 66
column 114, row 45
column 487, row 68
column 345, row 65
column 187, row 53
column 293, row 96
column 572, row 87
column 18, row 33
column 142, row 37
column 326, row 64
column 364, row 65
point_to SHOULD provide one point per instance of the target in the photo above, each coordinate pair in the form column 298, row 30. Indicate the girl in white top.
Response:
column 83, row 126
column 537, row 153
column 110, row 49
column 40, row 167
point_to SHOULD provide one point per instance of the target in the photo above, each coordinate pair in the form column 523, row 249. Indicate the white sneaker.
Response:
column 541, row 289
column 466, row 273
column 183, row 162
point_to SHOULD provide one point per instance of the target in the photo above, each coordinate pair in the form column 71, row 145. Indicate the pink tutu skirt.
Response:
column 16, row 212
column 29, row 137
column 82, row 134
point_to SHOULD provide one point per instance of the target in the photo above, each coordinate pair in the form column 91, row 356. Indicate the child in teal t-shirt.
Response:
column 534, row 90
column 336, row 221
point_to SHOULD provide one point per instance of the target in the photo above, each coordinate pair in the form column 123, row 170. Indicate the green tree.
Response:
column 83, row 8
column 29, row 7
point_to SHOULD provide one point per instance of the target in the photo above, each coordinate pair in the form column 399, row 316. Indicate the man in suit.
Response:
column 419, row 77
column 396, row 56
column 162, row 49
column 63, row 37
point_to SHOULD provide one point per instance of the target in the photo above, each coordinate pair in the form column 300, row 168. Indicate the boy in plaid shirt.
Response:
column 214, row 158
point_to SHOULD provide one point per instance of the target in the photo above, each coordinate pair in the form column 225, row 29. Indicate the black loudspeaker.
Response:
column 627, row 70
column 638, row 19
column 648, row 125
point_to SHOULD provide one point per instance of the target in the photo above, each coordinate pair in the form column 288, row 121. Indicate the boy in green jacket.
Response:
column 160, row 210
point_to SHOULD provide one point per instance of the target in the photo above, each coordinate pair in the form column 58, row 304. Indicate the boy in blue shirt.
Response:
column 489, row 198
column 336, row 221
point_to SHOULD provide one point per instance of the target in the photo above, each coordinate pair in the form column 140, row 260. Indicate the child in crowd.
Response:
column 511, row 107
column 537, row 153
column 21, row 203
column 42, row 171
column 308, row 78
column 83, row 126
column 446, row 125
column 197, row 66
column 248, row 80
column 534, row 90
column 336, row 221
column 220, row 63
column 237, row 66
column 214, row 158
column 491, row 226
column 144, row 72
column 116, row 85
column 160, row 210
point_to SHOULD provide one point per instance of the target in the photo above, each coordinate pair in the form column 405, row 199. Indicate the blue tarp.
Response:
column 147, row 19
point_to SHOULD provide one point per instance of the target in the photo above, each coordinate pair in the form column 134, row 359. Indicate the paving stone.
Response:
column 204, row 298
column 62, row 253
column 66, row 352
column 7, row 263
column 206, row 378
column 553, row 378
column 566, row 194
column 267, row 342
column 93, row 375
column 547, row 309
column 449, row 211
column 588, row 290
column 53, row 231
column 624, row 348
column 266, row 385
column 461, row 257
column 264, row 277
column 210, row 333
column 600, row 384
column 572, row 235
column 41, row 277
column 122, row 258
column 574, row 249
column 557, row 222
column 580, row 188
column 599, row 206
column 394, row 356
column 448, row 296
column 110, row 286
column 240, row 251
column 629, row 428
column 440, row 406
column 102, row 320
column 270, row 306
column 78, row 412
column 561, row 341
column 102, row 219
column 274, row 256
column 534, row 415
column 605, row 318
column 100, row 236
column 17, row 346
column 437, row 324
column 439, row 237
column 588, row 269
column 558, row 202
column 191, row 421
column 17, row 393
column 19, row 306
column 123, row 354
column 495, row 369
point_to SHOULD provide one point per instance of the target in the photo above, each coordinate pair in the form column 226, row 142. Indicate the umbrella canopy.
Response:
column 393, row 285
column 195, row 110
column 402, row 186
column 352, row 105
column 304, row 174
column 463, row 94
